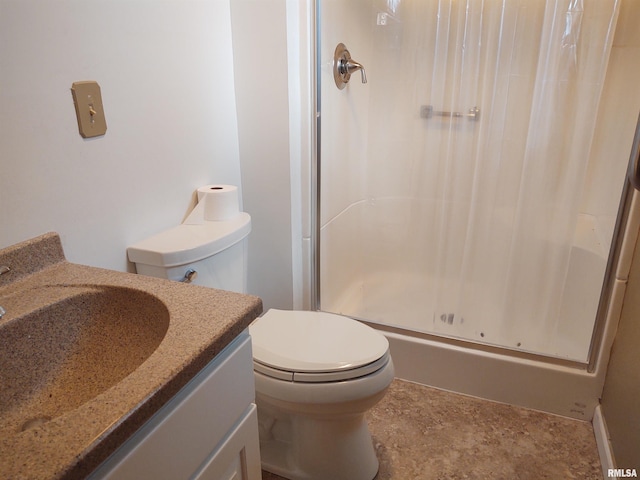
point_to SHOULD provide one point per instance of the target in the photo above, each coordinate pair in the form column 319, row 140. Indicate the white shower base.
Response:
column 400, row 299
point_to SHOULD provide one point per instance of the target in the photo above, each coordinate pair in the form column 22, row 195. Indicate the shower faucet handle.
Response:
column 344, row 66
column 353, row 66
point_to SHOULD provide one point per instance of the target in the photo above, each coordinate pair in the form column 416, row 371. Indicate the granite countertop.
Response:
column 192, row 325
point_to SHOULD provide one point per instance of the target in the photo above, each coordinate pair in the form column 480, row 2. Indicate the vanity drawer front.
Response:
column 175, row 442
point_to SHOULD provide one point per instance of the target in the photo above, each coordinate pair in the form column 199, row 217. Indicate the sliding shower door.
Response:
column 470, row 187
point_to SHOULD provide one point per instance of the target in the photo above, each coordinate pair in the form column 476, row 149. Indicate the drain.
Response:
column 34, row 422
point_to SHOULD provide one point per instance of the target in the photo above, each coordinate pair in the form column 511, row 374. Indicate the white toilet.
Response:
column 316, row 374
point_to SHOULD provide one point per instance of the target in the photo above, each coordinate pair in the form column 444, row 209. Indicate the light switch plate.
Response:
column 89, row 110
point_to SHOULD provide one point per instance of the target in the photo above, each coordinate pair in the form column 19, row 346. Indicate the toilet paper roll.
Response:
column 215, row 203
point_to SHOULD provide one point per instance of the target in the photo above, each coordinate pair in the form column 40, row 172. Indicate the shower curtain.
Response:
column 502, row 96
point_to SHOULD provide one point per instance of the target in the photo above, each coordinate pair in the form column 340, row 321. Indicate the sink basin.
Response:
column 69, row 344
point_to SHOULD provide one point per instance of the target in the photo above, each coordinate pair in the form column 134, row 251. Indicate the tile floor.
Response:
column 427, row 434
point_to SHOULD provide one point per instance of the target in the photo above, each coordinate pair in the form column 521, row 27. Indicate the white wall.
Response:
column 169, row 100
column 262, row 96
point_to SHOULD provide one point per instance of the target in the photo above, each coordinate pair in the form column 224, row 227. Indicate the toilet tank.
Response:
column 216, row 250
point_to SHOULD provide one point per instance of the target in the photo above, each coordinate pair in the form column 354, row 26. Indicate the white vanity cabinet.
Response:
column 209, row 430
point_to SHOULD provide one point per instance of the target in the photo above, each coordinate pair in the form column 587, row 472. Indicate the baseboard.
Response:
column 605, row 451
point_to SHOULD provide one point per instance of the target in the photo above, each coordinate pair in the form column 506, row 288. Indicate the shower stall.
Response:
column 468, row 192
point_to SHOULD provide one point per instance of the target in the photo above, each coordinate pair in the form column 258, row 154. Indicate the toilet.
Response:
column 316, row 376
column 316, row 373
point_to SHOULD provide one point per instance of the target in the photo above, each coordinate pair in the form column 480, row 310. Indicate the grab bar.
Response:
column 427, row 111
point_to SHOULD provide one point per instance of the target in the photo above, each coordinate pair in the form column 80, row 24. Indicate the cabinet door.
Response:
column 238, row 457
column 176, row 441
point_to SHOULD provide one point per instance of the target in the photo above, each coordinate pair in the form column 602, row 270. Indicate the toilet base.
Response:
column 300, row 447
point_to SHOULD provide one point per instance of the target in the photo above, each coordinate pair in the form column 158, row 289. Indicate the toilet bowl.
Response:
column 316, row 376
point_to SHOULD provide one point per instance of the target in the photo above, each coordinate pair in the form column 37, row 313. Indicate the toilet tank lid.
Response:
column 190, row 243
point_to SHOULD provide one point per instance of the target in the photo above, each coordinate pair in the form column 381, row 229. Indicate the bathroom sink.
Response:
column 89, row 355
column 64, row 345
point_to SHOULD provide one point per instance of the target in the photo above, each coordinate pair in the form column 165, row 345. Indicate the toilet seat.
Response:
column 315, row 347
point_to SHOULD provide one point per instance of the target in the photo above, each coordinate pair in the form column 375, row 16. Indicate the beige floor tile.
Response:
column 423, row 433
